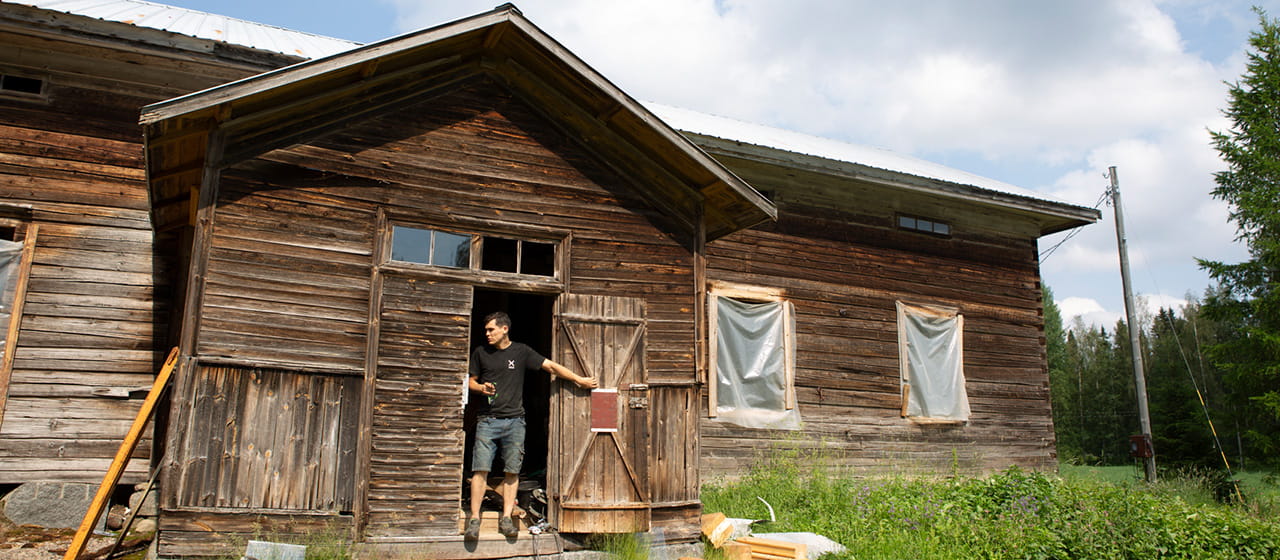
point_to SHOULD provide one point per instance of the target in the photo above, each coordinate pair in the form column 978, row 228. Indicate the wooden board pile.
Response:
column 718, row 531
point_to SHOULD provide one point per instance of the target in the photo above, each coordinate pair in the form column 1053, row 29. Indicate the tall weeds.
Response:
column 1011, row 514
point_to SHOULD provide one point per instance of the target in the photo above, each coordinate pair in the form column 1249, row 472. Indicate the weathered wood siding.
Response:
column 95, row 319
column 843, row 272
column 269, row 440
column 416, row 437
column 295, row 242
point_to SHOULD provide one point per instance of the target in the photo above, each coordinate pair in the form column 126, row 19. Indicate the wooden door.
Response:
column 598, row 465
column 416, row 438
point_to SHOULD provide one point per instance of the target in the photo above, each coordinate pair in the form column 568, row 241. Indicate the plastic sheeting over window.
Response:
column 754, row 364
column 930, row 346
column 10, row 270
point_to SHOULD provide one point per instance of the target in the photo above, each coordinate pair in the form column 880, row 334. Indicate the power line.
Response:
column 1044, row 255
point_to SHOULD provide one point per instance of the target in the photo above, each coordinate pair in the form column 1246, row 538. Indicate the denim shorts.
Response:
column 492, row 431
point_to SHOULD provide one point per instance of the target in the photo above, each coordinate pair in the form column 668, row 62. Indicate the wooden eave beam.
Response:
column 318, row 68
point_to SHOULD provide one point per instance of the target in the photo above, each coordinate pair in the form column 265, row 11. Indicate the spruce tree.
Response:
column 1249, row 291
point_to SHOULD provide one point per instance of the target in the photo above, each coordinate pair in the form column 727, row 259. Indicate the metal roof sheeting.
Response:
column 799, row 143
column 200, row 25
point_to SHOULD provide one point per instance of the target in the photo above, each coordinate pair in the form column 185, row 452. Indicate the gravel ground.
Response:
column 37, row 543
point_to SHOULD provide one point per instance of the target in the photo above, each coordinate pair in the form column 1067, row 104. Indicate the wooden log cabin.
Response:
column 864, row 241
column 346, row 223
column 322, row 240
column 87, row 316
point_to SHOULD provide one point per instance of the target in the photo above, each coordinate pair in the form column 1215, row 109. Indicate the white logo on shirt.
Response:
column 511, row 364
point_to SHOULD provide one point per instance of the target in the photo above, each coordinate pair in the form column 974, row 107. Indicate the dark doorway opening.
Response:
column 532, row 324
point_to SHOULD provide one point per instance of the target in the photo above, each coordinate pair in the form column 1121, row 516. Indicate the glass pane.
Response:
column 941, row 228
column 452, row 250
column 411, row 245
column 906, row 222
column 538, row 259
column 499, row 254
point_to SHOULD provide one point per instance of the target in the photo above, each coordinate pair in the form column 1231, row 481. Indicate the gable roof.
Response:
column 282, row 107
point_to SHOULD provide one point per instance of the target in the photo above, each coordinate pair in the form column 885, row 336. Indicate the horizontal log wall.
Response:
column 289, row 274
column 844, row 275
column 94, row 328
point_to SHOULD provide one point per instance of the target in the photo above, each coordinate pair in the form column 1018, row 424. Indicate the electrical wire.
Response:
column 1196, row 385
column 1044, row 255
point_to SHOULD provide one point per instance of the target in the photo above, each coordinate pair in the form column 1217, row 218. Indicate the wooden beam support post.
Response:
column 122, row 459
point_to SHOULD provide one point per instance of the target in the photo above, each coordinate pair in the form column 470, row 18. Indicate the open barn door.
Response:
column 598, row 466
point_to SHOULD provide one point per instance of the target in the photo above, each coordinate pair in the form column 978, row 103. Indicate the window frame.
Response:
column 27, row 233
column 915, row 227
column 41, row 97
column 752, row 294
column 559, row 240
column 904, row 363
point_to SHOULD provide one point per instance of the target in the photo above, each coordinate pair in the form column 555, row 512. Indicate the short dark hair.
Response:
column 499, row 318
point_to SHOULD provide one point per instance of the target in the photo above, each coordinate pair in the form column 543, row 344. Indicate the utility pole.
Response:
column 1135, row 329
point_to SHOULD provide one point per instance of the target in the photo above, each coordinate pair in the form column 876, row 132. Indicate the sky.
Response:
column 1044, row 95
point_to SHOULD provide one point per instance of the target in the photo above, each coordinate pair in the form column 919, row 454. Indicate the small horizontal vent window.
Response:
column 20, row 84
column 923, row 225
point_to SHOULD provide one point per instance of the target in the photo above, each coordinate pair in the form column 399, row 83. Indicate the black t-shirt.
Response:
column 506, row 369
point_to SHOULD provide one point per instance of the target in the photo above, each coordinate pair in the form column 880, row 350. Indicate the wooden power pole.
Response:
column 1135, row 331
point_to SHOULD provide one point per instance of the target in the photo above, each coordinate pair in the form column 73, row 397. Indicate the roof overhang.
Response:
column 282, row 107
column 1049, row 216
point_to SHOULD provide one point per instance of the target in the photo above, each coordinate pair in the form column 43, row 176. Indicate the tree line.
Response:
column 1190, row 397
column 1216, row 362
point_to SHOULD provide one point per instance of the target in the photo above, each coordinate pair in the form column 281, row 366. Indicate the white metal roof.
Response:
column 796, row 142
column 200, row 25
column 277, row 39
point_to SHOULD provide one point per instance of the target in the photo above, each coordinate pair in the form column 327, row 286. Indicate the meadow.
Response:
column 1081, row 512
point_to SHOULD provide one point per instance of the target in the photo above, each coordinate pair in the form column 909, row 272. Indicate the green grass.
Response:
column 1012, row 514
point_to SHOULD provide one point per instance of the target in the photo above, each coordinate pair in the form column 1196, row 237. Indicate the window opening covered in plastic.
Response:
column 931, row 362
column 753, row 361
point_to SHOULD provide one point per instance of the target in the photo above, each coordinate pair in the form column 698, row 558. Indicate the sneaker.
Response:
column 473, row 530
column 507, row 527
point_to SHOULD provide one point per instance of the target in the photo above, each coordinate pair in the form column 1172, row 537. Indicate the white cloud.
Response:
column 1046, row 94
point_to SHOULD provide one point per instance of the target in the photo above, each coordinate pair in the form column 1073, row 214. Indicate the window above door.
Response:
column 524, row 259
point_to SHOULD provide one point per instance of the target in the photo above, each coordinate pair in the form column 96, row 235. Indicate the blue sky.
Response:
column 1042, row 95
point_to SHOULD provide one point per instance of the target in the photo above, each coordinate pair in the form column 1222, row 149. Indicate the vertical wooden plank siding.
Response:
column 415, row 472
column 268, row 440
column 599, row 480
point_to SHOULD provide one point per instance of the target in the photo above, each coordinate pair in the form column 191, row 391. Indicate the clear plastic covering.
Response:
column 753, row 364
column 930, row 341
column 10, row 261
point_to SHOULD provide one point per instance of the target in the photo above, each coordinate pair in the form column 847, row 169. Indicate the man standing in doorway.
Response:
column 497, row 371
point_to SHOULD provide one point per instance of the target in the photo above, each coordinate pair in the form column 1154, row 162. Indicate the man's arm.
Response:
column 474, row 384
column 564, row 373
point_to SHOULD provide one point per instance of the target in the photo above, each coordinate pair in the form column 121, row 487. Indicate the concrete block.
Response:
column 147, row 507
column 53, row 505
